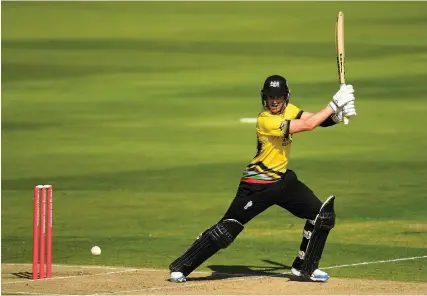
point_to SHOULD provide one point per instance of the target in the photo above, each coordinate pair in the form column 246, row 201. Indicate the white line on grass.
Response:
column 372, row 262
column 248, row 120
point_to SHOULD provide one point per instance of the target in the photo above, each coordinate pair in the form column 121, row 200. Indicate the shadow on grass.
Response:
column 274, row 269
column 219, row 272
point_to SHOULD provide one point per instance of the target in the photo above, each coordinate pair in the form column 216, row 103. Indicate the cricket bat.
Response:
column 339, row 41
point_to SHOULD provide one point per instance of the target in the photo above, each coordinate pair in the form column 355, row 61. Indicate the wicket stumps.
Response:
column 42, row 232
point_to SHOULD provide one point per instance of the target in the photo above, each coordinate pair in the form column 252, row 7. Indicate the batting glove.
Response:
column 342, row 97
column 349, row 110
column 337, row 117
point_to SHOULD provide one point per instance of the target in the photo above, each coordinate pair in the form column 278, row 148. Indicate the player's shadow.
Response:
column 23, row 274
column 219, row 272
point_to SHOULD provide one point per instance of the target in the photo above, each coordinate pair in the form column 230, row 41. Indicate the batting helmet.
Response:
column 275, row 85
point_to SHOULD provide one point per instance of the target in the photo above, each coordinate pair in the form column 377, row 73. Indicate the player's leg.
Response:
column 323, row 223
column 218, row 236
column 303, row 203
column 250, row 200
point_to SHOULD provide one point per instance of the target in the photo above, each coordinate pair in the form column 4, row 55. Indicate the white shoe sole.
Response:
column 177, row 277
column 319, row 279
column 178, row 280
column 296, row 272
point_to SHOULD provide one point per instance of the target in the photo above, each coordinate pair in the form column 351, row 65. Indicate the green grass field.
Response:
column 131, row 111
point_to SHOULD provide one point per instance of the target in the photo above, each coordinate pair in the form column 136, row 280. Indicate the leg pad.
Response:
column 323, row 223
column 224, row 233
column 217, row 237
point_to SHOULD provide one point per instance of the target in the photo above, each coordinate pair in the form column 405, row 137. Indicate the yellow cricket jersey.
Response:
column 273, row 146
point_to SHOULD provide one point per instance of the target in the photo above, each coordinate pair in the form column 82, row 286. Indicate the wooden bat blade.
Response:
column 339, row 41
column 339, row 38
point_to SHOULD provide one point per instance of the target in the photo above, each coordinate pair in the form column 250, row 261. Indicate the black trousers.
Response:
column 251, row 200
column 289, row 193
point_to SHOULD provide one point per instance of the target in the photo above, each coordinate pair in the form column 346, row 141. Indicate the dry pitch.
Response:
column 113, row 280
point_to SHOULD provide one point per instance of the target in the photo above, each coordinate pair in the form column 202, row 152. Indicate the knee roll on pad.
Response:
column 325, row 220
column 323, row 223
column 224, row 233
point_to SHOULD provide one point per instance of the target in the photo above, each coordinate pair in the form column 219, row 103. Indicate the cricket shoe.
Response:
column 177, row 277
column 317, row 275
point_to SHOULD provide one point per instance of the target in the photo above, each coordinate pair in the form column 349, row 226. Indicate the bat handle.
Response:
column 345, row 119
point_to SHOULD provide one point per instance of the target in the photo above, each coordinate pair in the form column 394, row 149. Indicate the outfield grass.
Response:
column 131, row 111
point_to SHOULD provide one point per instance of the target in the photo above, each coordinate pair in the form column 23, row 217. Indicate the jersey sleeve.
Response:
column 293, row 112
column 272, row 126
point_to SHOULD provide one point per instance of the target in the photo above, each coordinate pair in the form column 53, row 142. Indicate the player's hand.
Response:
column 338, row 117
column 342, row 97
column 349, row 110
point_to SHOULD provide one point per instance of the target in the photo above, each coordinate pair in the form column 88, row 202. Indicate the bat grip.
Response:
column 345, row 119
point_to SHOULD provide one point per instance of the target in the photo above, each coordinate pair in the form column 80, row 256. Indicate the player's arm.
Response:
column 330, row 121
column 348, row 110
column 305, row 115
column 310, row 121
column 277, row 127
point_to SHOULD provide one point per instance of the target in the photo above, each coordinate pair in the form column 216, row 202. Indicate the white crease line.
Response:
column 108, row 267
column 102, row 267
column 29, row 293
column 117, row 270
column 264, row 276
column 243, row 278
column 372, row 262
column 78, row 266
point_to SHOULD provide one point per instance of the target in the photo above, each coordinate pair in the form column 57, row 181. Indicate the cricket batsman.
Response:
column 267, row 181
